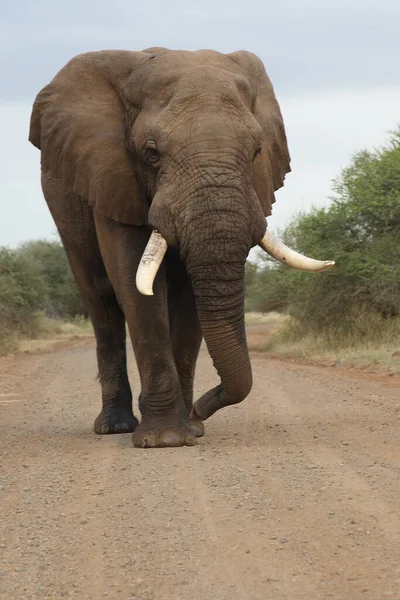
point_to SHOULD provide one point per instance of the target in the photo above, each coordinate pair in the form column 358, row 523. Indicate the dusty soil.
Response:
column 293, row 495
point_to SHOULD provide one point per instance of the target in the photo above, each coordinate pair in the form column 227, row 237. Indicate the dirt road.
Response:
column 293, row 495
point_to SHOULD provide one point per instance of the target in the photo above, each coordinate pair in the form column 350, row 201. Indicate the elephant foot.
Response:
column 115, row 419
column 197, row 427
column 156, row 433
column 208, row 404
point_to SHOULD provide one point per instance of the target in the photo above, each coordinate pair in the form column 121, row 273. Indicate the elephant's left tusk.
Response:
column 150, row 263
column 287, row 256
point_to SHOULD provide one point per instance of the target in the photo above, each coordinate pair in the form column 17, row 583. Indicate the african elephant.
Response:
column 159, row 167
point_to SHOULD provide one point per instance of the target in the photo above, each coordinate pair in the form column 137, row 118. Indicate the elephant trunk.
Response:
column 218, row 288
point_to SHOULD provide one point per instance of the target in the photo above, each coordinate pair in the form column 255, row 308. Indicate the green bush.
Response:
column 62, row 297
column 360, row 230
column 35, row 282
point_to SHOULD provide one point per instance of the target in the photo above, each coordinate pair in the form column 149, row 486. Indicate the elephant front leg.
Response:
column 165, row 421
column 185, row 330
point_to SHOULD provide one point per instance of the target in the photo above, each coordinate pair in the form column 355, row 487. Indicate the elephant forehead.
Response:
column 210, row 80
column 182, row 59
column 185, row 75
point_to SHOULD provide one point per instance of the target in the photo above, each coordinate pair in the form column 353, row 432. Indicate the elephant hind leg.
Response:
column 108, row 322
column 75, row 223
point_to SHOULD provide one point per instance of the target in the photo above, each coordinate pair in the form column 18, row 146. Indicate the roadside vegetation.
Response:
column 38, row 296
column 351, row 313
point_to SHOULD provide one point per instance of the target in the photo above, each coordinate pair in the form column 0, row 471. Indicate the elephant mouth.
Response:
column 157, row 246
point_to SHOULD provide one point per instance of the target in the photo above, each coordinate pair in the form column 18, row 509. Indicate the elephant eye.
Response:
column 257, row 152
column 152, row 155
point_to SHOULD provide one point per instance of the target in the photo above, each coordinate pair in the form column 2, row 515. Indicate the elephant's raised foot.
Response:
column 156, row 434
column 115, row 419
column 197, row 427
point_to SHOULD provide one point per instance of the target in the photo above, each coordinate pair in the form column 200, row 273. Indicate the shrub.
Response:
column 360, row 230
column 35, row 283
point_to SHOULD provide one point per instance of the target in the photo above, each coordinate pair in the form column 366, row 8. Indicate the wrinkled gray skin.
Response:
column 189, row 143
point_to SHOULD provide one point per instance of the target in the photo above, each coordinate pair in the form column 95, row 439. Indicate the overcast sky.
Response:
column 334, row 65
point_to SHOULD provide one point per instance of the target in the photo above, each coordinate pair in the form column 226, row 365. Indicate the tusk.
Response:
column 287, row 256
column 150, row 263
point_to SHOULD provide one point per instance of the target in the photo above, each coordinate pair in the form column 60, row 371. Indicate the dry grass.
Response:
column 253, row 318
column 370, row 355
column 42, row 333
column 375, row 346
column 260, row 327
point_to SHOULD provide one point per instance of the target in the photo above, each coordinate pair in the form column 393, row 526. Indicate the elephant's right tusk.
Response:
column 287, row 256
column 150, row 263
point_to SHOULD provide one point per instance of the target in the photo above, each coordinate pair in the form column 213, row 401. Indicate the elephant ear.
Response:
column 271, row 166
column 79, row 121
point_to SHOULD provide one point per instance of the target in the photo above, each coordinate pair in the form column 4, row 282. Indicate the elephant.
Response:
column 159, row 168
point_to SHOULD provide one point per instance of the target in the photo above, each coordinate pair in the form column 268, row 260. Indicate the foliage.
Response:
column 35, row 280
column 62, row 298
column 360, row 230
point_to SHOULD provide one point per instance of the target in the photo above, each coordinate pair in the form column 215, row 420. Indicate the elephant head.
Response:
column 191, row 144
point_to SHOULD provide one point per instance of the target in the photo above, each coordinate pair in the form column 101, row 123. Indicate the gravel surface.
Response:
column 294, row 495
